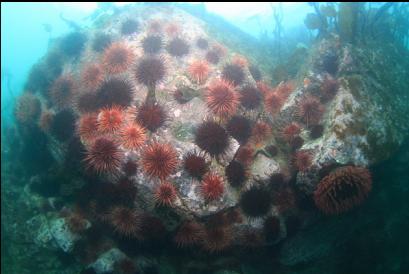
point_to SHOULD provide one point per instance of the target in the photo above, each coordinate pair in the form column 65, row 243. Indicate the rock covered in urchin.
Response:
column 355, row 128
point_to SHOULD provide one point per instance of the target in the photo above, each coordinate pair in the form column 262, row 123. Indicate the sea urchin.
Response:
column 165, row 194
column 343, row 189
column 212, row 186
column 133, row 136
column 151, row 116
column 117, row 58
column 159, row 160
column 212, row 138
column 150, row 70
column 195, row 164
column 104, row 155
column 255, row 202
column 221, row 98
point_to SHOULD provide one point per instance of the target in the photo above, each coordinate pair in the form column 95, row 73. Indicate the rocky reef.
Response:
column 151, row 136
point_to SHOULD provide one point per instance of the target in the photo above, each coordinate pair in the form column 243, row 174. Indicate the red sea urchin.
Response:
column 125, row 221
column 273, row 102
column 165, row 194
column 133, row 136
column 212, row 138
column 212, row 186
column 189, row 233
column 118, row 58
column 110, row 119
column 195, row 164
column 159, row 160
column 310, row 110
column 221, row 98
column 199, row 71
column 104, row 156
column 87, row 126
column 343, row 189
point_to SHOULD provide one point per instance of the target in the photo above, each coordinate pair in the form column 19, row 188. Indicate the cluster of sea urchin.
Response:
column 127, row 136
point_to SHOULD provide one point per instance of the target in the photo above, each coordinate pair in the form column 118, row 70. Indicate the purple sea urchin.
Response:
column 150, row 70
column 236, row 173
column 178, row 47
column 152, row 44
column 114, row 91
column 195, row 164
column 212, row 138
column 255, row 202
column 233, row 73
column 151, row 116
column 239, row 127
column 251, row 97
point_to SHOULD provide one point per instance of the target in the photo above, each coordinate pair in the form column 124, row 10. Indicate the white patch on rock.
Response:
column 53, row 233
column 64, row 238
column 263, row 167
column 105, row 263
